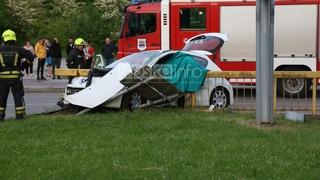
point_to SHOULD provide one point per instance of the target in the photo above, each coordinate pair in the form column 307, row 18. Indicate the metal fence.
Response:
column 244, row 90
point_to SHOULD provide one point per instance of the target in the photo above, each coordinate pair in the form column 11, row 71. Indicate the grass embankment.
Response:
column 155, row 144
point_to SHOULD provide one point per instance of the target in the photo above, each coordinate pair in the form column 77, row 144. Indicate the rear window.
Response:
column 193, row 18
column 204, row 43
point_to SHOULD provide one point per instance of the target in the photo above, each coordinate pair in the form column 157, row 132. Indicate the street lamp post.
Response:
column 264, row 66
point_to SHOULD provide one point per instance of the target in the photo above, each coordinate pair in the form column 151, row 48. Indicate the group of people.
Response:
column 15, row 59
column 80, row 54
column 47, row 53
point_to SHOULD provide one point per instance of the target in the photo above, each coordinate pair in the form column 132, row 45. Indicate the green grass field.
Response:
column 158, row 144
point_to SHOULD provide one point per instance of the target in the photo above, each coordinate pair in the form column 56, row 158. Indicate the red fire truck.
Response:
column 169, row 23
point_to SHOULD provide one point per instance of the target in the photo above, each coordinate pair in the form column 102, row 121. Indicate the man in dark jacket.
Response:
column 10, row 74
column 70, row 46
column 108, row 51
column 56, row 56
column 76, row 58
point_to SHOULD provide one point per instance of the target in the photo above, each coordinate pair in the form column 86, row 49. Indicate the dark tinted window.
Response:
column 192, row 18
column 139, row 24
column 201, row 61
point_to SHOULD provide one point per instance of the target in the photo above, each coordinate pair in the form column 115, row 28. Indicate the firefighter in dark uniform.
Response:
column 10, row 74
column 76, row 58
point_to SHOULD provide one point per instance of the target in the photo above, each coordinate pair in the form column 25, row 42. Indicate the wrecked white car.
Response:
column 154, row 78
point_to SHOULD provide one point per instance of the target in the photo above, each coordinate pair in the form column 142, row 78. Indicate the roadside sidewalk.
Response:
column 32, row 85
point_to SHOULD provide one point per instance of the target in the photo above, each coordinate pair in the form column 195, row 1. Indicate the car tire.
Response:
column 132, row 101
column 181, row 102
column 219, row 98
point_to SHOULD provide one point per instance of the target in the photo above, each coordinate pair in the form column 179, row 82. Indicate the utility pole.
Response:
column 264, row 65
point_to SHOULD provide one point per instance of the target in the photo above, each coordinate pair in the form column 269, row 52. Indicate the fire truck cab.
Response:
column 167, row 24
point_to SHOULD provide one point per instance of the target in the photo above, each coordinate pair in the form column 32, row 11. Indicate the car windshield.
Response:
column 137, row 60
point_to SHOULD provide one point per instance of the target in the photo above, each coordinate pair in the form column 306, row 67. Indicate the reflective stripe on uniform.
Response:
column 1, row 61
column 10, row 72
column 13, row 76
column 20, row 112
column 20, row 108
column 15, row 63
column 16, row 60
column 2, row 111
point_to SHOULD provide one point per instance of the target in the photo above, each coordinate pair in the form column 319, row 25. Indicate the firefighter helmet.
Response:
column 9, row 35
column 79, row 42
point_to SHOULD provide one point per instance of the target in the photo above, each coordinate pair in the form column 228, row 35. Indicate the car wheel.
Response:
column 219, row 98
column 181, row 102
column 132, row 101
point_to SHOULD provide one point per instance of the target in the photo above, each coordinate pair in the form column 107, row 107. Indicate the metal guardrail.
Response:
column 243, row 83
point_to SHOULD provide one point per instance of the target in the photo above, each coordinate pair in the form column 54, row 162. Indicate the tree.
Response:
column 25, row 10
column 12, row 20
column 89, row 24
column 112, row 12
column 112, row 9
column 90, row 19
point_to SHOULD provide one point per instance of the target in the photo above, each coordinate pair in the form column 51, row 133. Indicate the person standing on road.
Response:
column 49, row 58
column 108, row 51
column 10, row 75
column 41, row 53
column 76, row 58
column 70, row 46
column 56, row 56
column 28, row 66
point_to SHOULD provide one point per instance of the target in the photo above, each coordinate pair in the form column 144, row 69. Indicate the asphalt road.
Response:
column 35, row 103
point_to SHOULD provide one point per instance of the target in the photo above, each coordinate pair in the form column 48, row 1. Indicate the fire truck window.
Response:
column 140, row 24
column 193, row 18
